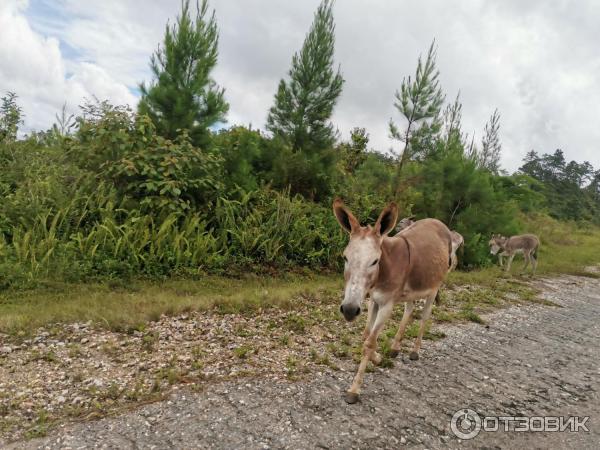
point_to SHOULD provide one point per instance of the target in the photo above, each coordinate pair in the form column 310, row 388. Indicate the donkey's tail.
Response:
column 438, row 300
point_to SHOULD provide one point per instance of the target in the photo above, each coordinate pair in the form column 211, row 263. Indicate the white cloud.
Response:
column 33, row 66
column 536, row 61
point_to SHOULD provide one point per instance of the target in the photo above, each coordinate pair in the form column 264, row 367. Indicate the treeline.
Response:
column 569, row 190
column 168, row 190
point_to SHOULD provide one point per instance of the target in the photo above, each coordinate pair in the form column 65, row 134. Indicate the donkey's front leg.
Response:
column 372, row 315
column 369, row 346
column 527, row 257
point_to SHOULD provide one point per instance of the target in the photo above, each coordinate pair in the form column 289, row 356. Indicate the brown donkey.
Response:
column 390, row 270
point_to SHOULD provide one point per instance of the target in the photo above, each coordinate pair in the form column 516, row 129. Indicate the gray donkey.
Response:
column 403, row 224
column 527, row 244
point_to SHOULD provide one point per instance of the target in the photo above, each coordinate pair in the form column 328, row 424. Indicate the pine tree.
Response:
column 183, row 94
column 419, row 101
column 305, row 102
column 489, row 157
column 453, row 121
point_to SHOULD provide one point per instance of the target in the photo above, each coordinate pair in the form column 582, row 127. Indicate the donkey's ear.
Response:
column 387, row 219
column 344, row 216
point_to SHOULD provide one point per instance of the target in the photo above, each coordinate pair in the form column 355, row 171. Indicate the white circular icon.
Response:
column 465, row 424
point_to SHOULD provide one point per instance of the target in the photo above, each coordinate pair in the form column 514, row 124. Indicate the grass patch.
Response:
column 243, row 351
column 441, row 315
column 48, row 356
column 565, row 248
column 129, row 307
column 150, row 341
column 295, row 323
column 40, row 427
column 470, row 315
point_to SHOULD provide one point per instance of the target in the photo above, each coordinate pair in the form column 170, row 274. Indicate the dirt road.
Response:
column 531, row 361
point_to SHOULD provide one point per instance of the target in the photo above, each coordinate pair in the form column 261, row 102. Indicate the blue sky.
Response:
column 535, row 61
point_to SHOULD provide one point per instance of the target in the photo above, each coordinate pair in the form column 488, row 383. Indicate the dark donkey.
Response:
column 390, row 270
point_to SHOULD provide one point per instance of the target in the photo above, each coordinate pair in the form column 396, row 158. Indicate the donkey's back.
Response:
column 522, row 242
column 430, row 247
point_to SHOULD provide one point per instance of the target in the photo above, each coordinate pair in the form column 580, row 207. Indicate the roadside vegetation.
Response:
column 122, row 305
column 120, row 219
column 165, row 195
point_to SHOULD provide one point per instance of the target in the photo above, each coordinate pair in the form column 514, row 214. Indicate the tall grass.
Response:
column 263, row 227
column 95, row 239
column 144, row 245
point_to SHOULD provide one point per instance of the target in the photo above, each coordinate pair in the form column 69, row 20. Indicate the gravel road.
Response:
column 529, row 361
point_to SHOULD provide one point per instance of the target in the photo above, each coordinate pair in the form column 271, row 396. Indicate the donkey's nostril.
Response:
column 350, row 311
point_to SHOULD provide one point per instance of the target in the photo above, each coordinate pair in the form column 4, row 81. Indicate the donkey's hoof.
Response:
column 376, row 358
column 351, row 398
column 394, row 353
column 414, row 356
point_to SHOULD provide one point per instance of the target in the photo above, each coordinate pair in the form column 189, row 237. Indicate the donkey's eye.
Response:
column 374, row 262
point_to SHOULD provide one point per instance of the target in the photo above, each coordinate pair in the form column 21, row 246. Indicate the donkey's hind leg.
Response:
column 408, row 309
column 527, row 257
column 533, row 264
column 414, row 355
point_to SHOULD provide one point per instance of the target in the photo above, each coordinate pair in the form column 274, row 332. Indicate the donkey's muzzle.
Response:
column 350, row 312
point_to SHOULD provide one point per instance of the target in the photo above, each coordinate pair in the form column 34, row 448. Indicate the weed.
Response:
column 291, row 364
column 48, row 356
column 198, row 352
column 295, row 323
column 241, row 331
column 339, row 350
column 284, row 340
column 40, row 427
column 470, row 315
column 242, row 351
column 113, row 392
column 197, row 365
column 441, row 315
column 149, row 341
column 74, row 350
column 110, row 349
